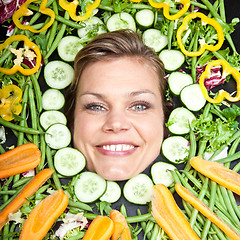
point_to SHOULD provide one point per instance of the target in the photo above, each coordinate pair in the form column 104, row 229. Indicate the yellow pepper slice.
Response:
column 10, row 97
column 204, row 46
column 71, row 7
column 226, row 70
column 30, row 46
column 24, row 11
column 165, row 6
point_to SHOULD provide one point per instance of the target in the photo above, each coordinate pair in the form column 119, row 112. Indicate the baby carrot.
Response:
column 26, row 192
column 204, row 209
column 218, row 173
column 20, row 159
column 43, row 216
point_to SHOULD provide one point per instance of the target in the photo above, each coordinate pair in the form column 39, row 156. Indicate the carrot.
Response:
column 20, row 159
column 121, row 229
column 218, row 173
column 101, row 228
column 43, row 216
column 27, row 192
column 168, row 215
column 204, row 209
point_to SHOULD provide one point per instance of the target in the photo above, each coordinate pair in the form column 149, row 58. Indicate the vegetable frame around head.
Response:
column 204, row 46
column 28, row 46
column 24, row 11
column 227, row 70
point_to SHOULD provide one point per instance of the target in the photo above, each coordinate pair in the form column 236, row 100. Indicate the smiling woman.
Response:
column 116, row 106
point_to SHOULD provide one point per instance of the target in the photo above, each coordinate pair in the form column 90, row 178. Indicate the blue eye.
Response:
column 140, row 107
column 95, row 107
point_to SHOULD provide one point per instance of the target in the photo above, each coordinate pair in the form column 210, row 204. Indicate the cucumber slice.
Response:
column 52, row 99
column 138, row 190
column 179, row 121
column 58, row 74
column 68, row 48
column 112, row 193
column 145, row 18
column 192, row 97
column 160, row 172
column 51, row 117
column 154, row 39
column 175, row 149
column 172, row 59
column 89, row 187
column 58, row 136
column 178, row 80
column 69, row 161
column 91, row 27
column 121, row 20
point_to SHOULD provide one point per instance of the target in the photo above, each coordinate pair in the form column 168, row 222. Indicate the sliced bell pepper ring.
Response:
column 10, row 97
column 204, row 46
column 226, row 70
column 29, row 46
column 71, row 7
column 165, row 6
column 24, row 11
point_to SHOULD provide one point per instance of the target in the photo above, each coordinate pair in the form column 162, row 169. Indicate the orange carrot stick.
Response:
column 43, row 216
column 218, row 173
column 121, row 229
column 101, row 228
column 20, row 159
column 204, row 209
column 27, row 192
column 168, row 215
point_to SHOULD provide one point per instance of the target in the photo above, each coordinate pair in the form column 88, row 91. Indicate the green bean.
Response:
column 197, row 4
column 51, row 165
column 123, row 210
column 233, row 202
column 43, row 153
column 80, row 205
column 33, row 113
column 170, row 34
column 200, row 197
column 207, row 224
column 202, row 144
column 6, row 231
column 155, row 232
column 90, row 216
column 23, row 114
column 229, row 206
column 222, row 10
column 19, row 128
column 229, row 158
column 21, row 181
column 142, row 218
column 194, row 59
column 38, row 92
column 148, row 229
column 8, row 192
column 10, row 199
column 58, row 37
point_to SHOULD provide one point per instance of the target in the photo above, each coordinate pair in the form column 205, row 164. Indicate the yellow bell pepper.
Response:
column 165, row 6
column 29, row 46
column 10, row 97
column 71, row 7
column 204, row 46
column 226, row 70
column 24, row 11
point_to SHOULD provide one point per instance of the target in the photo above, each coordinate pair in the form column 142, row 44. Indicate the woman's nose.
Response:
column 116, row 121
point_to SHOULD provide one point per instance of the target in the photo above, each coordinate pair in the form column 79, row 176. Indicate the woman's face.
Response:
column 119, row 118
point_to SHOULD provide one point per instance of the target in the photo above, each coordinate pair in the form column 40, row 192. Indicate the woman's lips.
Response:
column 120, row 149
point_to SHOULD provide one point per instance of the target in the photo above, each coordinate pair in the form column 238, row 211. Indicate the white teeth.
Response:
column 118, row 147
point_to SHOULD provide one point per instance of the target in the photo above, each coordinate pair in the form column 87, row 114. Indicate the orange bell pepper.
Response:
column 71, row 7
column 29, row 46
column 24, row 11
column 204, row 46
column 227, row 70
column 10, row 97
